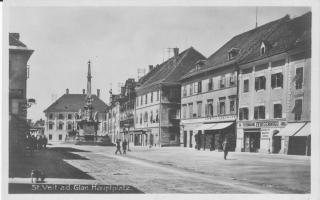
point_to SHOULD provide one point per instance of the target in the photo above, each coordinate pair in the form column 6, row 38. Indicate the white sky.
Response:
column 118, row 40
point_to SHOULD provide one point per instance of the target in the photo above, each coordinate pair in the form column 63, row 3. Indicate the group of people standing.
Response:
column 124, row 145
column 36, row 142
column 225, row 145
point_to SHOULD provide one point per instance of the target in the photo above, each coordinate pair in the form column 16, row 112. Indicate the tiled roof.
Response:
column 14, row 40
column 292, row 34
column 74, row 102
column 172, row 69
column 243, row 42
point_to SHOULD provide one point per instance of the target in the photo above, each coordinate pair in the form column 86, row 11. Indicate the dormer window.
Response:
column 232, row 53
column 262, row 49
column 199, row 64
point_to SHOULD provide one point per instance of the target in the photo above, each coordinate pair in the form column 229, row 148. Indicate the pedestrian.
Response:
column 118, row 147
column 225, row 148
column 124, row 146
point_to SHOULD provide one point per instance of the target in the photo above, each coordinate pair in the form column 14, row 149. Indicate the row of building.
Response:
column 255, row 90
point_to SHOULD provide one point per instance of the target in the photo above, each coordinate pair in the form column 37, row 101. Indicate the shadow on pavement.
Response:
column 50, row 161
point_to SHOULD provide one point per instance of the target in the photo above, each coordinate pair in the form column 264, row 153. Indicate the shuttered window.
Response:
column 260, row 83
column 259, row 112
column 276, row 80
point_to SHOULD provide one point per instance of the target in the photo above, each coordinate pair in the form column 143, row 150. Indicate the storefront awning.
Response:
column 291, row 129
column 214, row 126
column 305, row 131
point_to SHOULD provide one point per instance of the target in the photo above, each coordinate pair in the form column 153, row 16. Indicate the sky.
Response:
column 118, row 41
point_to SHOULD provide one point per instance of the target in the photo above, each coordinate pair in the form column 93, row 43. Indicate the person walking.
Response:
column 118, row 147
column 124, row 146
column 225, row 148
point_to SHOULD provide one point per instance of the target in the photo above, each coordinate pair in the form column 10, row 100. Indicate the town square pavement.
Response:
column 174, row 169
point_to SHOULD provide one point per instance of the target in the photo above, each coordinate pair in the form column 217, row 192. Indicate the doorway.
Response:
column 252, row 141
column 184, row 138
column 190, row 139
column 276, row 142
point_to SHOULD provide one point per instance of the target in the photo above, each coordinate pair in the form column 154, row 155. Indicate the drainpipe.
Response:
column 159, row 113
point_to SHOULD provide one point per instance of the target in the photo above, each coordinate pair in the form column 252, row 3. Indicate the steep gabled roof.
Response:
column 74, row 102
column 294, row 33
column 172, row 69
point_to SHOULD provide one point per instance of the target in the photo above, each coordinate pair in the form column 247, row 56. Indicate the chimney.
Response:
column 83, row 91
column 150, row 68
column 98, row 93
column 67, row 91
column 176, row 52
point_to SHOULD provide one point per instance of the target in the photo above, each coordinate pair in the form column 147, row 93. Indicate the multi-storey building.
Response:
column 63, row 116
column 274, row 91
column 19, row 55
column 158, row 100
column 210, row 93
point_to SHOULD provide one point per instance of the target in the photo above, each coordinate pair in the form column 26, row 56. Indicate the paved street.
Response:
column 179, row 170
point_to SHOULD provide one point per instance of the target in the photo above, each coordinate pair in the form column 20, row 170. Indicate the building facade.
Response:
column 158, row 100
column 274, row 91
column 19, row 54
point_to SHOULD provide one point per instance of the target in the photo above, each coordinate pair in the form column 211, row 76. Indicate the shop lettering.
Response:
column 267, row 123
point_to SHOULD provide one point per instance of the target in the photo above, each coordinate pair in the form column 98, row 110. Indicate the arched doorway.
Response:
column 276, row 142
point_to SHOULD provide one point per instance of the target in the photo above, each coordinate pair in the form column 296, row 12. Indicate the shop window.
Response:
column 69, row 116
column 299, row 78
column 199, row 108
column 61, row 116
column 260, row 83
column 210, row 84
column 276, row 80
column 172, row 136
column 60, row 137
column 277, row 111
column 50, row 136
column 232, row 106
column 190, row 105
column 297, row 110
column 244, row 114
column 259, row 112
column 246, row 85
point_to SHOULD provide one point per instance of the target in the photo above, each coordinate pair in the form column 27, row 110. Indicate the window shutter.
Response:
column 240, row 113
column 255, row 112
column 218, row 108
column 264, row 82
column 281, row 79
column 256, row 83
column 262, row 111
column 273, row 80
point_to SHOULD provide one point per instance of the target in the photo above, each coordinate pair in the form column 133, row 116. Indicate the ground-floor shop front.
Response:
column 273, row 136
column 209, row 136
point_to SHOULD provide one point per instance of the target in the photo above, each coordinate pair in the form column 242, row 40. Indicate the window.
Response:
column 158, row 95
column 145, row 119
column 260, row 83
column 137, row 102
column 209, row 108
column 151, row 97
column 157, row 116
column 60, row 127
column 50, row 126
column 232, row 53
column 50, row 116
column 232, row 106
column 262, row 50
column 61, row 116
column 50, row 136
column 299, row 78
column 277, row 111
column 141, row 100
column 184, row 91
column 232, row 80
column 190, row 110
column 297, row 110
column 172, row 136
column 146, row 99
column 69, row 116
column 151, row 116
column 210, row 84
column 137, row 119
column 223, row 82
column 244, row 114
column 184, row 111
column 259, row 112
column 222, row 107
column 140, row 118
column 60, row 137
column 69, row 126
column 190, row 89
column 199, row 87
column 276, row 80
column 246, row 85
column 199, row 108
column 196, row 87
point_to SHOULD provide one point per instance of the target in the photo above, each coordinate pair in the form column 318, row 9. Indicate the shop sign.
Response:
column 267, row 123
column 260, row 124
column 265, row 133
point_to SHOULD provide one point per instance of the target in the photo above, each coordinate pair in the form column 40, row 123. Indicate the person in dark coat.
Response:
column 124, row 146
column 45, row 142
column 118, row 147
column 225, row 147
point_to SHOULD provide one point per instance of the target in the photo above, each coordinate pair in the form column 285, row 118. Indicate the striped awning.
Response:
column 204, row 127
column 305, row 131
column 214, row 126
column 291, row 129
